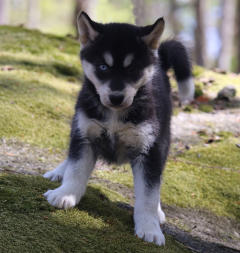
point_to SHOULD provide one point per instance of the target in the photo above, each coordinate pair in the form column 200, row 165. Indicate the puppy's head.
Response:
column 118, row 58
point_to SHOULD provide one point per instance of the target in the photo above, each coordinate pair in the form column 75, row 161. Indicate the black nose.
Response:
column 116, row 99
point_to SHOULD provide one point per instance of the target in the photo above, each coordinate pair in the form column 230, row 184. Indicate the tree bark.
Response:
column 227, row 33
column 82, row 5
column 173, row 6
column 238, row 37
column 139, row 11
column 200, row 40
column 34, row 13
column 4, row 12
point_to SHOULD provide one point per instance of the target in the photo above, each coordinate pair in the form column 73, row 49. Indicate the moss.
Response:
column 222, row 154
column 187, row 108
column 198, row 91
column 30, row 224
column 39, row 84
column 195, row 186
column 206, row 108
column 219, row 81
column 198, row 71
column 205, row 177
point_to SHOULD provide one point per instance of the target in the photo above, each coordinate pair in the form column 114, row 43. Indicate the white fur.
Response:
column 186, row 90
column 140, row 136
column 74, row 181
column 147, row 210
column 128, row 60
column 56, row 174
column 108, row 59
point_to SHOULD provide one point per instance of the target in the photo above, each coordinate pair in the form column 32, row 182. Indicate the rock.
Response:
column 227, row 93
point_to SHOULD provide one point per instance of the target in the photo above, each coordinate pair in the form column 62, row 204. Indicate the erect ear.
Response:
column 86, row 28
column 152, row 39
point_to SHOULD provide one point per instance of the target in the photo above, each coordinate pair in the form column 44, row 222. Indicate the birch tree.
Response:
column 4, row 12
column 34, row 13
column 227, row 33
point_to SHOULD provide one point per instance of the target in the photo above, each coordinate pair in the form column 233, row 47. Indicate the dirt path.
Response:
column 185, row 126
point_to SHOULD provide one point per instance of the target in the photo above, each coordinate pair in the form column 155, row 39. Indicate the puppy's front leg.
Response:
column 78, row 167
column 147, row 210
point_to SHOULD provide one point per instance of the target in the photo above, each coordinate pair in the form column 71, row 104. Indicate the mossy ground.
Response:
column 40, row 76
column 39, row 84
column 29, row 224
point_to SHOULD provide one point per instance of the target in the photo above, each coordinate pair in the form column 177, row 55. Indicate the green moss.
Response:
column 206, row 108
column 222, row 154
column 194, row 186
column 197, row 71
column 219, row 81
column 187, row 108
column 30, row 224
column 38, row 86
column 198, row 91
column 203, row 177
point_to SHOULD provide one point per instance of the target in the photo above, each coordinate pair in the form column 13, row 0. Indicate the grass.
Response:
column 39, row 84
column 40, row 76
column 29, row 224
column 203, row 177
column 218, row 80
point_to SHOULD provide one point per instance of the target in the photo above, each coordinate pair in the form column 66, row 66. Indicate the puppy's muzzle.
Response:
column 116, row 100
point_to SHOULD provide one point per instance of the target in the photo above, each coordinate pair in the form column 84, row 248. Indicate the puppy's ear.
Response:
column 86, row 28
column 152, row 39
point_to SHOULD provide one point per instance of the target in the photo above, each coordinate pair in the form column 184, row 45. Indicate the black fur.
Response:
column 174, row 55
column 151, row 103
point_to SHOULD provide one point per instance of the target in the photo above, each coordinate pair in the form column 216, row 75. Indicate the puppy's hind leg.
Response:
column 57, row 173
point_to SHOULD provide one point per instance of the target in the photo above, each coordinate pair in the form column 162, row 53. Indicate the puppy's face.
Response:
column 118, row 58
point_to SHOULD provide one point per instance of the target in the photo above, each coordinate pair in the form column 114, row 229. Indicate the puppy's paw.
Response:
column 53, row 176
column 148, row 229
column 63, row 197
column 56, row 174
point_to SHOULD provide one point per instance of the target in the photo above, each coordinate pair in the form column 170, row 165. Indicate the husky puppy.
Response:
column 123, row 114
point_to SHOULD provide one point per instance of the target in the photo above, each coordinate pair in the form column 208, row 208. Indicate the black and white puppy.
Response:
column 123, row 114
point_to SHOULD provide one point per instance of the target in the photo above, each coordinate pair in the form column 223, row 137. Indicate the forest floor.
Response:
column 39, row 82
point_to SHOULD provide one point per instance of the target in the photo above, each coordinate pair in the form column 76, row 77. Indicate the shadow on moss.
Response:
column 55, row 68
column 30, row 224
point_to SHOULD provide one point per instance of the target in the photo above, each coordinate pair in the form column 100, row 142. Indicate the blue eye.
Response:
column 103, row 67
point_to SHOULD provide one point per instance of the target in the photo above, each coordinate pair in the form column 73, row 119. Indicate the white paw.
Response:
column 53, row 176
column 63, row 197
column 148, row 229
column 56, row 174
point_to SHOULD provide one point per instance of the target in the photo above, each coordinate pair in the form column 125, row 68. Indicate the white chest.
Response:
column 121, row 134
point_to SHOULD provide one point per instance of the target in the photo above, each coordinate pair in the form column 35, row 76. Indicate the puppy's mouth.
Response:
column 118, row 107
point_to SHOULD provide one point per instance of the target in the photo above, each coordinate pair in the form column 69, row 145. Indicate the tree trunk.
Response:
column 139, row 11
column 34, row 13
column 200, row 40
column 173, row 6
column 227, row 32
column 82, row 5
column 238, row 37
column 4, row 12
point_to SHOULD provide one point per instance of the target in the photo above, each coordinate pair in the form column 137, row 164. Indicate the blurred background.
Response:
column 209, row 28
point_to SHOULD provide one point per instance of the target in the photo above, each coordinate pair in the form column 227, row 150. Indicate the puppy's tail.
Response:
column 174, row 55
